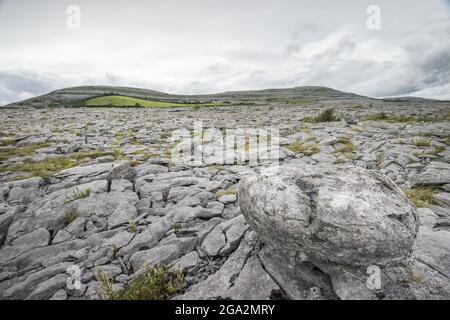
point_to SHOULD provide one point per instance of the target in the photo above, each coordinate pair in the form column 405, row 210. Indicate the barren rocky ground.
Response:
column 96, row 188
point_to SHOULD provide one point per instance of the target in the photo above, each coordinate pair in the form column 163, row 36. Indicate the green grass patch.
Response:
column 156, row 283
column 437, row 150
column 7, row 142
column 222, row 193
column 422, row 197
column 43, row 168
column 382, row 116
column 122, row 101
column 21, row 151
column 5, row 134
column 422, row 142
column 305, row 148
column 326, row 115
column 348, row 149
column 77, row 195
column 71, row 217
column 94, row 154
column 301, row 101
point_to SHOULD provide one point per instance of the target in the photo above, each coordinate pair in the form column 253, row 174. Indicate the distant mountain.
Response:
column 412, row 99
column 76, row 96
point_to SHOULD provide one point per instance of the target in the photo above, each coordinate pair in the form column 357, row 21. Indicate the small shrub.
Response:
column 176, row 228
column 155, row 283
column 7, row 142
column 22, row 151
column 71, row 217
column 165, row 135
column 77, row 194
column 132, row 226
column 422, row 142
column 421, row 196
column 375, row 117
column 437, row 150
column 43, row 168
column 300, row 147
column 326, row 115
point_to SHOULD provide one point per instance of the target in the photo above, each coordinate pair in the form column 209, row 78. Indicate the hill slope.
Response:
column 77, row 96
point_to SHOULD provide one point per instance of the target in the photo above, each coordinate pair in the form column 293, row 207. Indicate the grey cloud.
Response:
column 204, row 46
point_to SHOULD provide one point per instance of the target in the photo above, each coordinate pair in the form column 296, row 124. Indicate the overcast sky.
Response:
column 207, row 46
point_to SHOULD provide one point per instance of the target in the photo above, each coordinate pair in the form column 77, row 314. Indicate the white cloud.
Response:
column 203, row 46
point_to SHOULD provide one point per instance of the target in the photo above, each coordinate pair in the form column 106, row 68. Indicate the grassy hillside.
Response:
column 121, row 101
column 80, row 96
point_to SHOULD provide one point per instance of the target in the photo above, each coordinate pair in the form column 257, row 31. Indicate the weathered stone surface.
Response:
column 111, row 214
column 344, row 215
column 38, row 238
column 217, row 285
column 437, row 173
column 47, row 289
column 163, row 254
column 225, row 237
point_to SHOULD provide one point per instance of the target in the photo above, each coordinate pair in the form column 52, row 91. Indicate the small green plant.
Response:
column 380, row 159
column 305, row 148
column 155, row 283
column 176, row 228
column 422, row 142
column 43, row 168
column 348, row 149
column 327, row 115
column 89, row 154
column 375, row 117
column 421, row 196
column 77, row 194
column 165, row 135
column 7, row 142
column 5, row 134
column 132, row 226
column 301, row 101
column 27, row 150
column 71, row 217
column 222, row 193
column 437, row 150
column 115, row 250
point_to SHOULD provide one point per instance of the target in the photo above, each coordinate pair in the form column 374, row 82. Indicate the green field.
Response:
column 122, row 101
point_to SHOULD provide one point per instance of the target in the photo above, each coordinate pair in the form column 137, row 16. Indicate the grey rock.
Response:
column 437, row 173
column 253, row 283
column 217, row 285
column 37, row 238
column 59, row 295
column 186, row 263
column 163, row 254
column 61, row 236
column 380, row 222
column 228, row 198
column 442, row 199
column 123, row 213
column 48, row 288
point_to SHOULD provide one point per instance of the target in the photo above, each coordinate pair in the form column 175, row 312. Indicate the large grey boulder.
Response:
column 322, row 228
column 340, row 214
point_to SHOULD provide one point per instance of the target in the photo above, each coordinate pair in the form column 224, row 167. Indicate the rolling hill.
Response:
column 86, row 95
